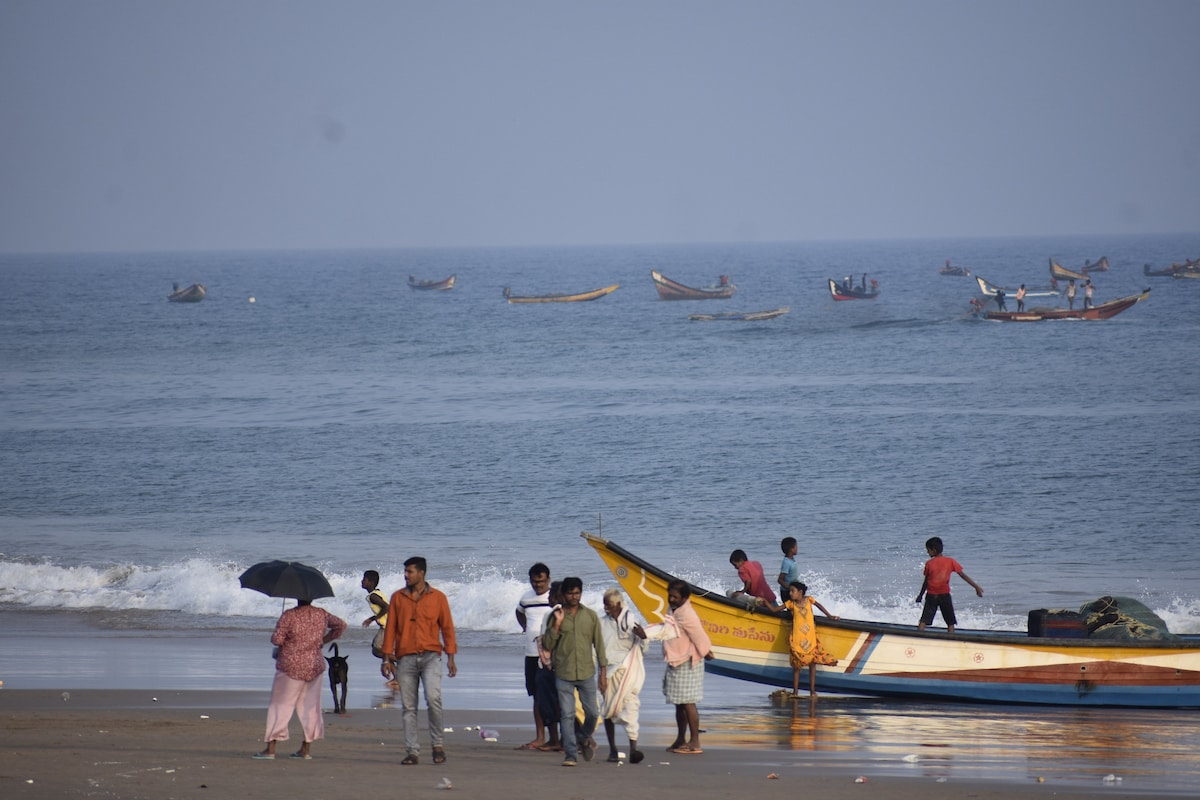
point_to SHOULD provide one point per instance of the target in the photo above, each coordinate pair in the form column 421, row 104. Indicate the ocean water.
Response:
column 152, row 451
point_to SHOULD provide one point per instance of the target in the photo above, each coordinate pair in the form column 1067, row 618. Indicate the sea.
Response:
column 315, row 408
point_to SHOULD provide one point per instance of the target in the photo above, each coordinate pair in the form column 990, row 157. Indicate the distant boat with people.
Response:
column 674, row 290
column 444, row 285
column 1038, row 314
column 560, row 298
column 1175, row 270
column 950, row 270
column 848, row 290
column 188, row 294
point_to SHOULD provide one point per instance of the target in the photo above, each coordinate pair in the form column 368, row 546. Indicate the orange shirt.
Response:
column 419, row 624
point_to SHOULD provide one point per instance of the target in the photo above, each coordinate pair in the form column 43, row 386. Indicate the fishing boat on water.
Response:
column 444, row 285
column 1187, row 269
column 1061, row 273
column 1038, row 314
column 188, row 294
column 674, row 290
column 1106, row 661
column 741, row 316
column 989, row 289
column 848, row 290
column 560, row 298
column 959, row 271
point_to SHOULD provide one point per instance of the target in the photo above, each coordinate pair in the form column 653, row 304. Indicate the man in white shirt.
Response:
column 531, row 613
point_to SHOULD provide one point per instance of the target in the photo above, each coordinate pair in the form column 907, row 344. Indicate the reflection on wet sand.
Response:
column 1143, row 749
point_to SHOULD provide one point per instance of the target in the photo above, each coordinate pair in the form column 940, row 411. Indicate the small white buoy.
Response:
column 251, row 299
column 911, row 759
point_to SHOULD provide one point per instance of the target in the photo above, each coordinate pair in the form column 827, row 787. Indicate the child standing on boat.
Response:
column 935, row 589
column 804, row 648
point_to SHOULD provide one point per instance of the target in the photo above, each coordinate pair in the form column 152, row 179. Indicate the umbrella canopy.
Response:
column 286, row 579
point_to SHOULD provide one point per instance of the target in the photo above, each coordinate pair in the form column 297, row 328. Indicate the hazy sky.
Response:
column 215, row 124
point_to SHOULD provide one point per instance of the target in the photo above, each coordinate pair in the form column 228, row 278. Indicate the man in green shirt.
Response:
column 576, row 644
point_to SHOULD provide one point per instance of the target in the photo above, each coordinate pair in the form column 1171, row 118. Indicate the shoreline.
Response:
column 197, row 744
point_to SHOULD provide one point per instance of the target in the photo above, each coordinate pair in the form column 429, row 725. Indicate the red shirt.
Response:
column 752, row 572
column 937, row 574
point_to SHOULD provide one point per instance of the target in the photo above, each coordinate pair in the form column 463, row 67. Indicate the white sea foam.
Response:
column 483, row 598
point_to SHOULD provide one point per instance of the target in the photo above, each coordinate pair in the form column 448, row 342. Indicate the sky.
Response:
column 177, row 125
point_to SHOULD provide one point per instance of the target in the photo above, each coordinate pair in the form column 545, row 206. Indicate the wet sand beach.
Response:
column 120, row 744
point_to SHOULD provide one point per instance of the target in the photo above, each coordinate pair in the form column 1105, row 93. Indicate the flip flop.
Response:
column 549, row 748
column 263, row 756
column 300, row 757
column 688, row 751
column 528, row 746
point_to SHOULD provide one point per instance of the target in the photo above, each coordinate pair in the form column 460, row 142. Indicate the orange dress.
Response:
column 803, row 644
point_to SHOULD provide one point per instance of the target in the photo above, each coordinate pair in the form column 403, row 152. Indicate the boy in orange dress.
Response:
column 935, row 590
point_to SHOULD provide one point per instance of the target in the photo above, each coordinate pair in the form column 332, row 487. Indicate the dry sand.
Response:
column 127, row 744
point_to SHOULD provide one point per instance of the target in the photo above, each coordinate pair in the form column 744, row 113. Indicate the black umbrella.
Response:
column 286, row 579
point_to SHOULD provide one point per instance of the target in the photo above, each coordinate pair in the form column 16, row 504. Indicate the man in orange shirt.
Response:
column 419, row 630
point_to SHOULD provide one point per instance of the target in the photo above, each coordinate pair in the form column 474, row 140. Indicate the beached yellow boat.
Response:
column 887, row 660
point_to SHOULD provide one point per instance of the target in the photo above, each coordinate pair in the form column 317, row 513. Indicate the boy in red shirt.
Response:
column 936, row 587
column 754, row 583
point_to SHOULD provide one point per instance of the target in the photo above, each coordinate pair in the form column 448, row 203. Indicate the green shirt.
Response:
column 571, row 645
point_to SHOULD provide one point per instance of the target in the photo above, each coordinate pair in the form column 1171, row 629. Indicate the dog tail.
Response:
column 333, row 646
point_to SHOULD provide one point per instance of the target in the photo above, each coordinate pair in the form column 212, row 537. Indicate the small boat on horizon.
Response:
column 741, row 316
column 443, row 285
column 1039, row 314
column 847, row 290
column 1047, row 664
column 1188, row 266
column 959, row 271
column 560, row 298
column 674, row 290
column 189, row 294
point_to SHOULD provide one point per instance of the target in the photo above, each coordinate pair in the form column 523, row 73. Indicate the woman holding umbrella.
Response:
column 299, row 635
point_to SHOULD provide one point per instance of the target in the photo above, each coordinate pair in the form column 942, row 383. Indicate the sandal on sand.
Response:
column 410, row 759
column 549, row 748
column 302, row 756
column 439, row 755
column 263, row 756
column 687, row 751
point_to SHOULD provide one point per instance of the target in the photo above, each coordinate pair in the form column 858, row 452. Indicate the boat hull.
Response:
column 435, row 286
column 562, row 298
column 674, row 290
column 741, row 316
column 1102, row 311
column 1061, row 273
column 191, row 294
column 885, row 660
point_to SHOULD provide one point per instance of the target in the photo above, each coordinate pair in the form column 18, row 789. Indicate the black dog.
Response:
column 339, row 675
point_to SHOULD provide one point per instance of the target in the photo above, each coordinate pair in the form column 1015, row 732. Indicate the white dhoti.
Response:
column 621, row 701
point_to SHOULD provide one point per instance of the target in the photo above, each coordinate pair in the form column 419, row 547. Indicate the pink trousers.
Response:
column 304, row 698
